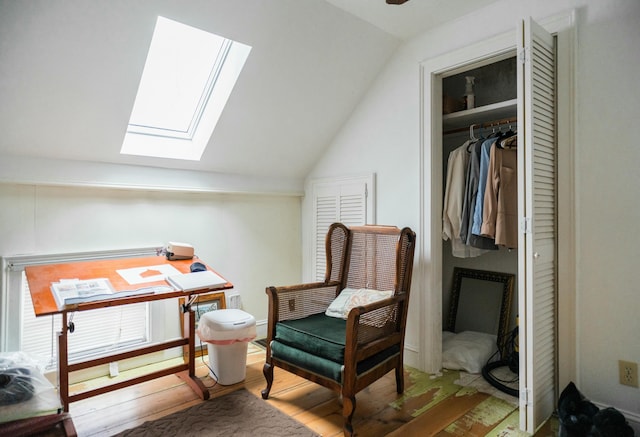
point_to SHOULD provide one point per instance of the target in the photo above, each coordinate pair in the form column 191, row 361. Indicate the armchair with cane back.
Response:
column 348, row 331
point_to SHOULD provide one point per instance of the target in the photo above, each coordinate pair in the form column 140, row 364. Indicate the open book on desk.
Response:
column 196, row 281
column 75, row 291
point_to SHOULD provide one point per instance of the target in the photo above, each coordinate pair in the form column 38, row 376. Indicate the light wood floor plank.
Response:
column 440, row 416
column 510, row 427
column 429, row 406
column 480, row 420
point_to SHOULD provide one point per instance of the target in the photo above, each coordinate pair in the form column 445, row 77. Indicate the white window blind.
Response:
column 345, row 200
column 96, row 331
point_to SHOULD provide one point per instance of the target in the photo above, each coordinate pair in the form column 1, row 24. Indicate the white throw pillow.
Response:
column 467, row 350
column 350, row 298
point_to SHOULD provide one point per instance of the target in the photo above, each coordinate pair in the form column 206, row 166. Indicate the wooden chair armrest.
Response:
column 360, row 310
column 301, row 287
column 298, row 301
column 376, row 322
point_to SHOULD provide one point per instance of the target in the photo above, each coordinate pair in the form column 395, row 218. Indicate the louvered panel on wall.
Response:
column 326, row 212
column 345, row 201
column 538, row 72
column 353, row 203
column 352, row 209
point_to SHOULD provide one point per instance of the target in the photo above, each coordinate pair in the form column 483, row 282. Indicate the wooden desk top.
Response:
column 40, row 278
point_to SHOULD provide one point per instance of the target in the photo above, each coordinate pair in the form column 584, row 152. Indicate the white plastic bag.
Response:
column 24, row 390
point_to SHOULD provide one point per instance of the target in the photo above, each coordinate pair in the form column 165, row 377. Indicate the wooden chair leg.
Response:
column 348, row 408
column 267, row 370
column 400, row 379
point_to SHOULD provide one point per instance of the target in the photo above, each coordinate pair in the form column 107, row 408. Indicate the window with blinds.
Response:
column 96, row 331
column 345, row 200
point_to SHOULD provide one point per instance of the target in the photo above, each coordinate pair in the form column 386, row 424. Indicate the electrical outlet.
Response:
column 113, row 369
column 233, row 301
column 628, row 373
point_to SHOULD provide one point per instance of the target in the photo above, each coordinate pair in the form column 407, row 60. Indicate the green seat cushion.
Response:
column 318, row 334
column 312, row 363
column 316, row 343
column 324, row 367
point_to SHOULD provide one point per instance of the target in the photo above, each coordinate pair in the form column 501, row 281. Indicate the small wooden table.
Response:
column 40, row 278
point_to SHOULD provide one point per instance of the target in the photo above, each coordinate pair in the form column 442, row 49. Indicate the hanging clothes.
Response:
column 457, row 165
column 510, row 142
column 470, row 196
column 500, row 209
column 476, row 229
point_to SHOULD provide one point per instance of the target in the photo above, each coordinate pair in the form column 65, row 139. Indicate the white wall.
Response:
column 607, row 94
column 253, row 241
column 383, row 136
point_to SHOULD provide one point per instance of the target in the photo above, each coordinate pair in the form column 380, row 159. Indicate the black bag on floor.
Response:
column 579, row 417
column 15, row 385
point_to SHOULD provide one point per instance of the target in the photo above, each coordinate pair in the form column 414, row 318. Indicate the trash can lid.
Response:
column 227, row 316
column 227, row 324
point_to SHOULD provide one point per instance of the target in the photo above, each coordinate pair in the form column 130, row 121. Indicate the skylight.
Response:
column 186, row 82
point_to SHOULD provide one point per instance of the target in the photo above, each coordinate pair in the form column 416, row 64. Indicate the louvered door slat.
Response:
column 537, row 274
column 342, row 201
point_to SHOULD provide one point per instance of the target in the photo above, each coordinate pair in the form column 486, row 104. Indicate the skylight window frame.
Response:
column 189, row 144
column 199, row 109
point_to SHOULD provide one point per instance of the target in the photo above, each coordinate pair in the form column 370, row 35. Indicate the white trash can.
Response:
column 227, row 333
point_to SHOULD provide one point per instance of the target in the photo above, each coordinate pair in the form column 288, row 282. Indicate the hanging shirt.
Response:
column 468, row 208
column 500, row 212
column 476, row 228
column 453, row 201
column 466, row 198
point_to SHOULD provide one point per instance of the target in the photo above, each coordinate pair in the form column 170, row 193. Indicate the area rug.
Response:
column 237, row 414
column 261, row 342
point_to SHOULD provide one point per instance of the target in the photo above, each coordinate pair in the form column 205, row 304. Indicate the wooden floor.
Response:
column 429, row 406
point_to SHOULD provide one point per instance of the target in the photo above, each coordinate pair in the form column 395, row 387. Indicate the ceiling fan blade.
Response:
column 396, row 2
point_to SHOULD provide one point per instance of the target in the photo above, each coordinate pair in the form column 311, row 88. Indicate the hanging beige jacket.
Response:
column 500, row 211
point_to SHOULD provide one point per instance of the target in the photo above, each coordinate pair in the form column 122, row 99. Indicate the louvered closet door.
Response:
column 344, row 202
column 537, row 207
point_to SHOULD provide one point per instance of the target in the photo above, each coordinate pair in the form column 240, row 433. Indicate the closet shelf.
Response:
column 480, row 114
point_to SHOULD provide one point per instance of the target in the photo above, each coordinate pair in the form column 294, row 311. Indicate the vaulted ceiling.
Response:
column 411, row 18
column 69, row 72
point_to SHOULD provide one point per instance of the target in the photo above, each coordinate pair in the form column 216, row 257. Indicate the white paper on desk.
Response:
column 196, row 281
column 140, row 275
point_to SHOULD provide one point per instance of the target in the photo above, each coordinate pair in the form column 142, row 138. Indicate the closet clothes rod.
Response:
column 486, row 124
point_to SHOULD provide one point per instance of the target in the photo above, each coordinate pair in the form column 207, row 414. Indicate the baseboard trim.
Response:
column 632, row 417
column 261, row 328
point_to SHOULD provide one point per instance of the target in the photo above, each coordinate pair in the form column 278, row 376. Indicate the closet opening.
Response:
column 480, row 218
column 543, row 112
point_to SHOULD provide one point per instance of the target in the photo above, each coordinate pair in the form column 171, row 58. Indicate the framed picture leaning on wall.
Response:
column 203, row 304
